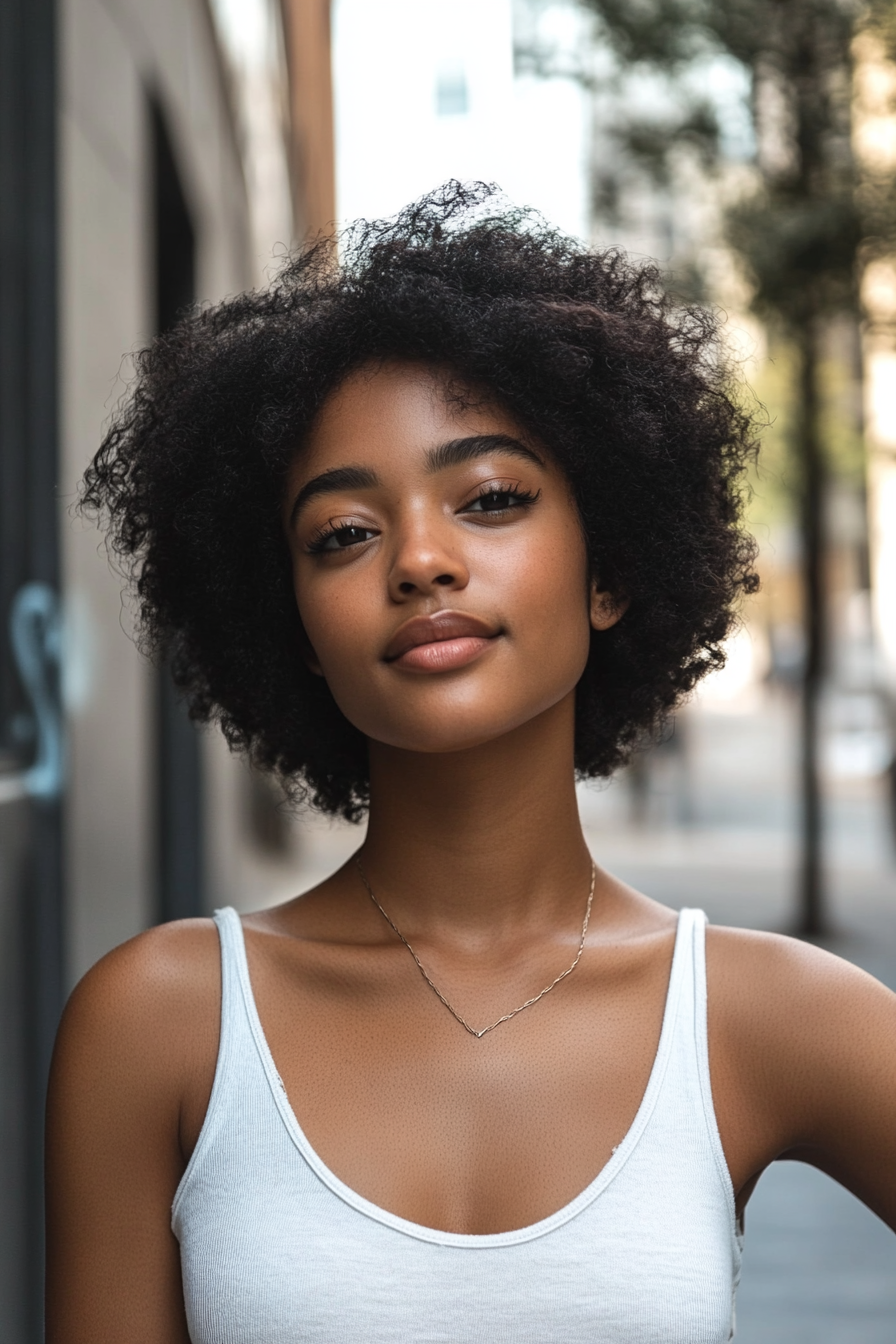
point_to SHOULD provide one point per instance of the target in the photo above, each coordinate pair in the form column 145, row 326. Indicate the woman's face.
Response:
column 438, row 561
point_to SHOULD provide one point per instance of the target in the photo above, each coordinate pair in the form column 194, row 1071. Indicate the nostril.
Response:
column 405, row 587
column 444, row 578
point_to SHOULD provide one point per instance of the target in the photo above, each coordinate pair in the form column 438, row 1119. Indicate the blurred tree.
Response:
column 811, row 218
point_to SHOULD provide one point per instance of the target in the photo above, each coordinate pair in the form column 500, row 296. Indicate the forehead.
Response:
column 394, row 409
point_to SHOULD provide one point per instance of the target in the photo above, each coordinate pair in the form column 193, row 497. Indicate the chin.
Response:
column 444, row 743
column 433, row 739
column 452, row 729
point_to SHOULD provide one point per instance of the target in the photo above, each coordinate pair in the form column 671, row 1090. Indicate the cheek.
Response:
column 343, row 623
column 344, row 641
column 553, row 597
column 331, row 624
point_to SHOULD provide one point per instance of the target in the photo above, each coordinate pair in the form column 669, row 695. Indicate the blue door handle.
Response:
column 35, row 628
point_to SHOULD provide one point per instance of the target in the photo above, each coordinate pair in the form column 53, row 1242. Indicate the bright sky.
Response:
column 425, row 91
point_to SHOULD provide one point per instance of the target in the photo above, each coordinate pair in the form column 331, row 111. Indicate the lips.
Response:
column 441, row 642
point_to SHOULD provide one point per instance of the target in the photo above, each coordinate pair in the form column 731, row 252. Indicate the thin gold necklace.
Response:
column 438, row 993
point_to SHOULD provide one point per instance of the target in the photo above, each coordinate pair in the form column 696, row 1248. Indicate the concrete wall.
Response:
column 114, row 53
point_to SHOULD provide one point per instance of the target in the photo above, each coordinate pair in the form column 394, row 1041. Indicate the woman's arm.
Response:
column 804, row 1051
column 131, row 1076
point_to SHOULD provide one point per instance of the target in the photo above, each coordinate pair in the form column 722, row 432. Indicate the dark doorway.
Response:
column 178, row 763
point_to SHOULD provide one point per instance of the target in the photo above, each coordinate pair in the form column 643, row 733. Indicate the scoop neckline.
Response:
column 470, row 1240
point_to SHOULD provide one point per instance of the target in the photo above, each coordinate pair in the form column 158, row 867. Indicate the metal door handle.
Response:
column 35, row 629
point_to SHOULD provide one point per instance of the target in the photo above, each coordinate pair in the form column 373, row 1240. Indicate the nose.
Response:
column 425, row 561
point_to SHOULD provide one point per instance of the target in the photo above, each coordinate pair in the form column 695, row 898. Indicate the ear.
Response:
column 605, row 609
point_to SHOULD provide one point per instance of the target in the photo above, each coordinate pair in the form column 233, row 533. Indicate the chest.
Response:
column 279, row 1232
column 467, row 1135
column 309, row 1265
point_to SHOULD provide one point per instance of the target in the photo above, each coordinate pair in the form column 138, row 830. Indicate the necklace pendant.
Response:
column 438, row 993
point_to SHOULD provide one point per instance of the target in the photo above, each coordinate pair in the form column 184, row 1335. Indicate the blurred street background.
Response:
column 156, row 156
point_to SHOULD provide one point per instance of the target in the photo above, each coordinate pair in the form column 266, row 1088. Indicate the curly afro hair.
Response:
column 582, row 347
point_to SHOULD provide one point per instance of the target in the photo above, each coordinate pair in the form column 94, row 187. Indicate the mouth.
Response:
column 439, row 643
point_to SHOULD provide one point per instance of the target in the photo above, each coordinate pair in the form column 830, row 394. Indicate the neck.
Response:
column 470, row 841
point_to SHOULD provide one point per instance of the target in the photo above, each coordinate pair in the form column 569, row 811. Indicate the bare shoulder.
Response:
column 145, row 1019
column 805, row 1043
column 170, row 973
column 767, row 978
column 130, row 1082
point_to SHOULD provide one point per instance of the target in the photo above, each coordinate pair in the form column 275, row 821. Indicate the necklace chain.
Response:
column 483, row 1031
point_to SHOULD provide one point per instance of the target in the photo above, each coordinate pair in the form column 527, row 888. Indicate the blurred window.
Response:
column 452, row 97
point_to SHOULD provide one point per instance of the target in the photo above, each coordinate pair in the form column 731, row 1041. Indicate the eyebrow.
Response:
column 458, row 451
column 451, row 454
column 328, row 482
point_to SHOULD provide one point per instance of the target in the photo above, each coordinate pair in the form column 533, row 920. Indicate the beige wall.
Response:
column 112, row 53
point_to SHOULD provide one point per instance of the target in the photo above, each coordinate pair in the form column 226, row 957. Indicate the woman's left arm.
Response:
column 805, row 1053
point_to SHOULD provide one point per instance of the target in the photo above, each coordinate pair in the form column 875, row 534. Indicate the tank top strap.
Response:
column 234, row 976
column 686, row 1002
column 693, row 1002
column 690, row 1043
column 686, row 973
column 235, row 1041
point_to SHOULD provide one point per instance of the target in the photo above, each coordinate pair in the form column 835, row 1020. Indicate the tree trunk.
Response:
column 812, row 919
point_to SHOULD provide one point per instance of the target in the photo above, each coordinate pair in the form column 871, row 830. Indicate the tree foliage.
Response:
column 813, row 213
column 812, row 218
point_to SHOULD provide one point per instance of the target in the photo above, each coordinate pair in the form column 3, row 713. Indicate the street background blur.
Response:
column 156, row 156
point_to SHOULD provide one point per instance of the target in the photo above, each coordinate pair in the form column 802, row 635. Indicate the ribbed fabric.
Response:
column 275, row 1249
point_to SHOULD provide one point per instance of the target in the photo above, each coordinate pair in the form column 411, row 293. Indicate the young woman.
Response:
column 429, row 532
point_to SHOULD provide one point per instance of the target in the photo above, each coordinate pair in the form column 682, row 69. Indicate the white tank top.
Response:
column 275, row 1249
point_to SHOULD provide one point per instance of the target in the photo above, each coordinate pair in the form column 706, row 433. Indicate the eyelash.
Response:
column 521, row 499
column 318, row 543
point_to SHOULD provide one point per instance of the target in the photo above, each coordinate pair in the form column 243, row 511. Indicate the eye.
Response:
column 500, row 499
column 339, row 539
